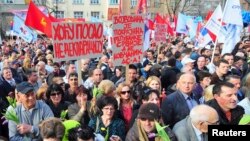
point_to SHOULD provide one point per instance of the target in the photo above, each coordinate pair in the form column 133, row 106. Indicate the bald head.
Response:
column 186, row 83
column 203, row 115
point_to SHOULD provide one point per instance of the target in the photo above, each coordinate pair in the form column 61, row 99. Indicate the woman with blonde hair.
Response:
column 107, row 87
column 154, row 83
column 41, row 92
column 126, row 104
column 208, row 94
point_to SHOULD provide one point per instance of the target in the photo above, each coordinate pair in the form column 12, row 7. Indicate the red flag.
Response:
column 141, row 7
column 53, row 19
column 209, row 14
column 160, row 20
column 199, row 27
column 37, row 20
column 151, row 25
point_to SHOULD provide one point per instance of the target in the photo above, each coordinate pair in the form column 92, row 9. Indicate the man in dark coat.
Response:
column 225, row 103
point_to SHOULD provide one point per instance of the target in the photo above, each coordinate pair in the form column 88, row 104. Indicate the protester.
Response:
column 178, row 104
column 27, row 127
column 145, row 127
column 79, row 110
column 225, row 103
column 55, row 100
column 52, row 129
column 107, row 124
column 195, row 126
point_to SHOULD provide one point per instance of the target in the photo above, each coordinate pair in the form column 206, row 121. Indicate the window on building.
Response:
column 113, row 2
column 157, row 4
column 133, row 3
column 94, row 1
column 9, row 1
column 77, row 1
column 148, row 3
column 78, row 14
column 58, row 1
column 59, row 14
column 95, row 14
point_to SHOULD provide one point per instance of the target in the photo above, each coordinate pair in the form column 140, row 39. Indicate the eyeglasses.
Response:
column 55, row 93
column 213, row 123
column 124, row 92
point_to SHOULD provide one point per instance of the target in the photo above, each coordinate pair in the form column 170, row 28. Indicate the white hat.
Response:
column 208, row 47
column 186, row 60
column 186, row 40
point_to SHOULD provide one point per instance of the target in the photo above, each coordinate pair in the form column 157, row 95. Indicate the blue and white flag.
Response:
column 234, row 24
column 21, row 30
column 181, row 24
column 146, row 41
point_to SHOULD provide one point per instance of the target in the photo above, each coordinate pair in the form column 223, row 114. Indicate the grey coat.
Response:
column 184, row 131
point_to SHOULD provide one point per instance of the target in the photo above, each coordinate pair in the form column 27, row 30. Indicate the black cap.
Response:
column 24, row 87
column 149, row 111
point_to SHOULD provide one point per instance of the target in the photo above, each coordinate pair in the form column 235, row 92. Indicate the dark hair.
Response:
column 106, row 100
column 29, row 72
column 202, row 74
column 172, row 61
column 151, row 51
column 221, row 61
column 52, row 88
column 177, row 54
column 132, row 66
column 147, row 91
column 203, row 50
column 83, row 132
column 231, row 77
column 56, row 64
column 218, row 87
column 226, row 54
column 72, row 74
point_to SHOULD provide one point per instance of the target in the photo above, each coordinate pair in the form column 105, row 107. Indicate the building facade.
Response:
column 103, row 10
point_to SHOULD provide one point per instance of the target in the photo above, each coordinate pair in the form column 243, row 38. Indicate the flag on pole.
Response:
column 141, row 7
column 181, row 24
column 234, row 24
column 203, row 38
column 37, row 20
column 213, row 25
column 23, row 31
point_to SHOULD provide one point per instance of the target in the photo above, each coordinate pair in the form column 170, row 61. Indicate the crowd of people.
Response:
column 177, row 84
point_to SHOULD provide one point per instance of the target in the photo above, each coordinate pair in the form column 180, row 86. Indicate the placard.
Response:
column 128, row 39
column 72, row 41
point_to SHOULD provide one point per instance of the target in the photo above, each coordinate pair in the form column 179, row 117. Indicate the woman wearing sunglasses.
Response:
column 55, row 100
column 127, row 105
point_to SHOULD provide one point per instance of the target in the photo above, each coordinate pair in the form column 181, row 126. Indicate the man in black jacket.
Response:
column 225, row 103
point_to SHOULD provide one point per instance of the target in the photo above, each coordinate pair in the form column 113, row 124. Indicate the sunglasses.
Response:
column 55, row 93
column 144, row 119
column 124, row 92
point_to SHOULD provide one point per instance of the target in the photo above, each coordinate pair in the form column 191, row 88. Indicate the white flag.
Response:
column 214, row 24
column 234, row 24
